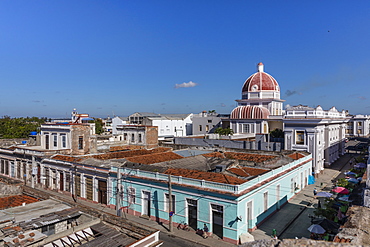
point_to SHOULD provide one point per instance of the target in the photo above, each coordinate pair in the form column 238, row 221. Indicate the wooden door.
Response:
column 47, row 178
column 47, row 142
column 102, row 191
column 19, row 164
column 89, row 188
column 61, row 181
column 78, row 185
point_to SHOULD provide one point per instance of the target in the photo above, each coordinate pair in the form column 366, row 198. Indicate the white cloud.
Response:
column 186, row 84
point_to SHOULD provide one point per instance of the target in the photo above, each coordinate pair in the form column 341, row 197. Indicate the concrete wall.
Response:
column 151, row 137
column 76, row 132
column 9, row 142
column 259, row 144
column 211, row 121
column 8, row 190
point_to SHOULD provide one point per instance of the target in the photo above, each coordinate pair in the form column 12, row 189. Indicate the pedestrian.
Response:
column 314, row 191
column 274, row 235
column 205, row 231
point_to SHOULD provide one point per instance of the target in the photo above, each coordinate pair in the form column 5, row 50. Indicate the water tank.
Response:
column 24, row 142
column 33, row 133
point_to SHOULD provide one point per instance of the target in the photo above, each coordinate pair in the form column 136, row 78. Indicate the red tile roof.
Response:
column 296, row 156
column 131, row 153
column 155, row 158
column 14, row 201
column 249, row 157
column 67, row 158
column 215, row 155
column 179, row 172
column 209, row 176
column 341, row 240
column 123, row 148
column 247, row 171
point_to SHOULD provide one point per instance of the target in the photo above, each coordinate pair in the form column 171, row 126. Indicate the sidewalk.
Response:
column 282, row 219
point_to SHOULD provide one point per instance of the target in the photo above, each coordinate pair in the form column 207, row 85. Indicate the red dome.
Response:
column 260, row 81
column 250, row 112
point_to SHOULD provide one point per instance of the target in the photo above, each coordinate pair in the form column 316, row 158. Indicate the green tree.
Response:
column 98, row 126
column 19, row 127
column 224, row 131
column 277, row 133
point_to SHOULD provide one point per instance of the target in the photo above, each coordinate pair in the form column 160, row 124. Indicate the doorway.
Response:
column 61, row 181
column 146, row 203
column 249, row 214
column 192, row 213
column 217, row 220
column 102, row 192
column 46, row 141
column 89, row 188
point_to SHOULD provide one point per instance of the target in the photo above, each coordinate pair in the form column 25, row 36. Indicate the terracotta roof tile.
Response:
column 342, row 240
column 296, row 156
column 247, row 171
column 155, row 158
column 215, row 155
column 130, row 153
column 14, row 201
column 249, row 157
column 124, row 148
column 66, row 158
column 209, row 176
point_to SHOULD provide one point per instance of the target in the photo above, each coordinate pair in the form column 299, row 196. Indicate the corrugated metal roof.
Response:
column 191, row 152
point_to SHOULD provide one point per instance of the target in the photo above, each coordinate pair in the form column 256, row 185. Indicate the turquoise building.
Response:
column 226, row 209
column 228, row 193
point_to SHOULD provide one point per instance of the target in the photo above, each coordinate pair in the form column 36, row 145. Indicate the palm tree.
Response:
column 224, row 132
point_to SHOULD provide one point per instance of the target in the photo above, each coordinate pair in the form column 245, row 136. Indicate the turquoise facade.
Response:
column 227, row 210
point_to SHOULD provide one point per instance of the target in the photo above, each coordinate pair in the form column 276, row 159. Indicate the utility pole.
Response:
column 118, row 195
column 74, row 183
column 34, row 172
column 170, row 202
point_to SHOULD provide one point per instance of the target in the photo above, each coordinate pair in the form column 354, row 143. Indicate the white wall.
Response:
column 167, row 127
column 117, row 121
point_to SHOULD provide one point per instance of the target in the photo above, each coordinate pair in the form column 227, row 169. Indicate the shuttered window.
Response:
column 78, row 185
column 68, row 182
column 89, row 188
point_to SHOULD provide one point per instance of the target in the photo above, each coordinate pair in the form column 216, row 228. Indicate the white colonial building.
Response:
column 358, row 126
column 260, row 110
column 169, row 125
column 118, row 121
column 315, row 130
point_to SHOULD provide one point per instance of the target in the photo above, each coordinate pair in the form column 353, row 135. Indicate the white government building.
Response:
column 315, row 130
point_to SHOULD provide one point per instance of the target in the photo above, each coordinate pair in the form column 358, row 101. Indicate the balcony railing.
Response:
column 235, row 189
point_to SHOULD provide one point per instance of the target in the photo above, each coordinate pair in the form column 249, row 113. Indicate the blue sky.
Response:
column 119, row 57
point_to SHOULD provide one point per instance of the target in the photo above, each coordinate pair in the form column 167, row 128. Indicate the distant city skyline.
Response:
column 120, row 57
